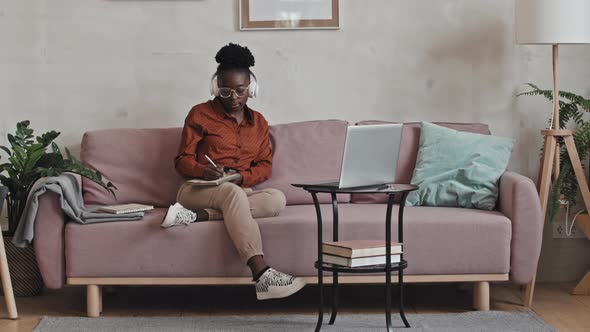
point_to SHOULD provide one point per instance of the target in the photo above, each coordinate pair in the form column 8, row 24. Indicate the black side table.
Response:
column 391, row 191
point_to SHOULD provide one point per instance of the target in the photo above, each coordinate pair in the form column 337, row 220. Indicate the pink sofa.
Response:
column 442, row 244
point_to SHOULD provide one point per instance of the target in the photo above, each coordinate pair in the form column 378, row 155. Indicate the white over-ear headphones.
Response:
column 252, row 89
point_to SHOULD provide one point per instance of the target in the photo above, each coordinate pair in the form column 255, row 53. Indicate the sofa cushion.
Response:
column 437, row 241
column 306, row 152
column 409, row 152
column 458, row 169
column 140, row 162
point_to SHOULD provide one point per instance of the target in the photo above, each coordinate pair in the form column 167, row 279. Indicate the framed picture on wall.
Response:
column 288, row 14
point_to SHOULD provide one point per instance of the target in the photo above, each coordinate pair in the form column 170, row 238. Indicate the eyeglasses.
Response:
column 227, row 92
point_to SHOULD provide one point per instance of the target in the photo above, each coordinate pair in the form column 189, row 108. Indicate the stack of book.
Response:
column 355, row 253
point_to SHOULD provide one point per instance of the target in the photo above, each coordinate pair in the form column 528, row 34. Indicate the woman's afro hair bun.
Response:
column 234, row 56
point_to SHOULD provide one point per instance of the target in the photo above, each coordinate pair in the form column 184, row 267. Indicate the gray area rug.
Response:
column 469, row 321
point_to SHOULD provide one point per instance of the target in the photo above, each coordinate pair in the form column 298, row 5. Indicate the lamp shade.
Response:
column 553, row 21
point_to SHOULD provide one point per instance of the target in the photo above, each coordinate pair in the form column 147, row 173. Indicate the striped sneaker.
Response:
column 178, row 215
column 275, row 285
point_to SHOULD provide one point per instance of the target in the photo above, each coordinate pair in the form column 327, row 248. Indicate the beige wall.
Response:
column 74, row 66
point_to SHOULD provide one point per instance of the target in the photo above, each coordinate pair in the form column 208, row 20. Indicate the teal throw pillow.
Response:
column 458, row 169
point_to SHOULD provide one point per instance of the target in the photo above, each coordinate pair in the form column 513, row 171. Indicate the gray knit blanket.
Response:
column 67, row 187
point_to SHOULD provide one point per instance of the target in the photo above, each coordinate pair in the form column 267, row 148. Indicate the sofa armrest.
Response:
column 49, row 240
column 519, row 201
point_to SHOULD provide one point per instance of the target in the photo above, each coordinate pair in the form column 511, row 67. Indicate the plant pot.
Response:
column 24, row 271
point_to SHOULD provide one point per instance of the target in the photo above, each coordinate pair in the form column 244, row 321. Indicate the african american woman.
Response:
column 234, row 137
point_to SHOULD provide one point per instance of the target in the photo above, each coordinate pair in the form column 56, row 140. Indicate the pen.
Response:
column 211, row 161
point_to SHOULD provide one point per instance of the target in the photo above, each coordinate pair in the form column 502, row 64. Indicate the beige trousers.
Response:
column 237, row 207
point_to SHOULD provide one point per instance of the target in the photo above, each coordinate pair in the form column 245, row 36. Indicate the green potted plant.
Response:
column 3, row 193
column 28, row 161
column 572, row 111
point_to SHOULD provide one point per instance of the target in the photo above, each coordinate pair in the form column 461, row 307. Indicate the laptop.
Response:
column 370, row 156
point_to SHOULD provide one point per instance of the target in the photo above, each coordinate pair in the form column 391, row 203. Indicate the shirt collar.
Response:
column 248, row 114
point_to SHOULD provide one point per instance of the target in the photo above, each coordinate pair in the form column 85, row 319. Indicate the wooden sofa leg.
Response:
column 93, row 300
column 100, row 299
column 529, row 291
column 481, row 296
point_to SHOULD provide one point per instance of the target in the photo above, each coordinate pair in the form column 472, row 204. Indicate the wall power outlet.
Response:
column 560, row 233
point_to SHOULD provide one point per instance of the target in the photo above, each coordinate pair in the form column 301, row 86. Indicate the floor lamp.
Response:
column 554, row 22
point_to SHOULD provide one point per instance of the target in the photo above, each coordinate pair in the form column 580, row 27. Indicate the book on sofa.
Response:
column 225, row 178
column 124, row 208
column 359, row 248
column 359, row 261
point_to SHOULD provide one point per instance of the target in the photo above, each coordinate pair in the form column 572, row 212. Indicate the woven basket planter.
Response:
column 24, row 271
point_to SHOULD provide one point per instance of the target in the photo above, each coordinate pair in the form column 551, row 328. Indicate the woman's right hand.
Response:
column 212, row 173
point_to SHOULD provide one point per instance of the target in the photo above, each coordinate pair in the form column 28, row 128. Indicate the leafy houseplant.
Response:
column 572, row 109
column 28, row 161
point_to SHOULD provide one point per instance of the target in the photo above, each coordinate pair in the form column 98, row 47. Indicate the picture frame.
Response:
column 289, row 14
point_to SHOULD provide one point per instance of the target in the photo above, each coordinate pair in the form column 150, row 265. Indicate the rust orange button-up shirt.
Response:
column 209, row 130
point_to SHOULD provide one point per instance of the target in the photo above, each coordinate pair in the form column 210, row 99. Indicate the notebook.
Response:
column 124, row 208
column 225, row 178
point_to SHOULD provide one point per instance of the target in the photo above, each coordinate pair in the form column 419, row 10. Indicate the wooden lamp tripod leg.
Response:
column 547, row 170
column 550, row 159
column 583, row 287
column 556, row 109
column 6, row 284
column 548, row 163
